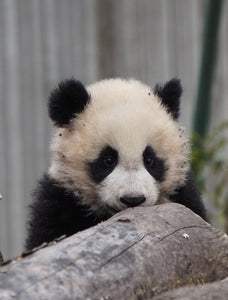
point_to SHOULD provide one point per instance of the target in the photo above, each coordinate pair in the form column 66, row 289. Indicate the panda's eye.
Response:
column 109, row 161
column 148, row 161
column 149, row 158
column 104, row 164
column 154, row 164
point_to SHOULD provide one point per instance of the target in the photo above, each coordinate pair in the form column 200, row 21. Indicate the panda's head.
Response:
column 118, row 143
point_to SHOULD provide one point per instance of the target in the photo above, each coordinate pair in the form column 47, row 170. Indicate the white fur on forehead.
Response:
column 126, row 115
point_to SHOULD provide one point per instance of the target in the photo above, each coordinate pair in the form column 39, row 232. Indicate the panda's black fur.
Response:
column 56, row 212
column 59, row 207
column 67, row 100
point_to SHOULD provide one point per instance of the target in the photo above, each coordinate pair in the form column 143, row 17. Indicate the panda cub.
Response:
column 117, row 144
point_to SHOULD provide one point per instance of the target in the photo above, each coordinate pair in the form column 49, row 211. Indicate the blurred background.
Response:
column 43, row 42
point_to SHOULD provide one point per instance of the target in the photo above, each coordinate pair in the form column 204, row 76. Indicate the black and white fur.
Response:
column 117, row 144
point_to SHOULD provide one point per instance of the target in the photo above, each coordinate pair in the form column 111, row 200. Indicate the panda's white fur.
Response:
column 126, row 115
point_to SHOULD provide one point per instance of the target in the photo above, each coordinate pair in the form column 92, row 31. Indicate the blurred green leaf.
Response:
column 209, row 161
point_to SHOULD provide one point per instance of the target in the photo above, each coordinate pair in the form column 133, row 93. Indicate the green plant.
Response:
column 210, row 165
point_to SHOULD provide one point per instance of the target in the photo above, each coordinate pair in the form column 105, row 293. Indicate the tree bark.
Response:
column 137, row 254
column 210, row 291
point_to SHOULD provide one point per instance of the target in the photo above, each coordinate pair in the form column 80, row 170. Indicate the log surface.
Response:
column 210, row 291
column 137, row 253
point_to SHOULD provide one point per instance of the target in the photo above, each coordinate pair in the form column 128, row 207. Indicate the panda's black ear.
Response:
column 170, row 94
column 68, row 99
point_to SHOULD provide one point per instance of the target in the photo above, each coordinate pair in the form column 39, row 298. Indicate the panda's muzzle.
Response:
column 132, row 201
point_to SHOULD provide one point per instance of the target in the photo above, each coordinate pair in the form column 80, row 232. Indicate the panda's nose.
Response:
column 132, row 201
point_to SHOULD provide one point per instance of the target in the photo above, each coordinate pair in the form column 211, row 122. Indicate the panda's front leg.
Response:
column 55, row 211
column 189, row 196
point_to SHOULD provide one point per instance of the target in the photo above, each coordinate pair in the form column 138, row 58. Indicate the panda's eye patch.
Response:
column 153, row 164
column 104, row 164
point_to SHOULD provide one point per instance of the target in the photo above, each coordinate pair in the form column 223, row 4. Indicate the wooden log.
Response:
column 210, row 291
column 137, row 253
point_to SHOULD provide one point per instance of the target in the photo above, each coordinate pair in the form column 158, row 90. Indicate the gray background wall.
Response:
column 44, row 41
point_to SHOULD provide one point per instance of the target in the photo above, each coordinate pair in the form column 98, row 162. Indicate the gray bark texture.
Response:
column 137, row 254
column 210, row 291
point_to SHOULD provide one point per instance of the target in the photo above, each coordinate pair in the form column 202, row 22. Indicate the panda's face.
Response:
column 123, row 150
column 123, row 182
